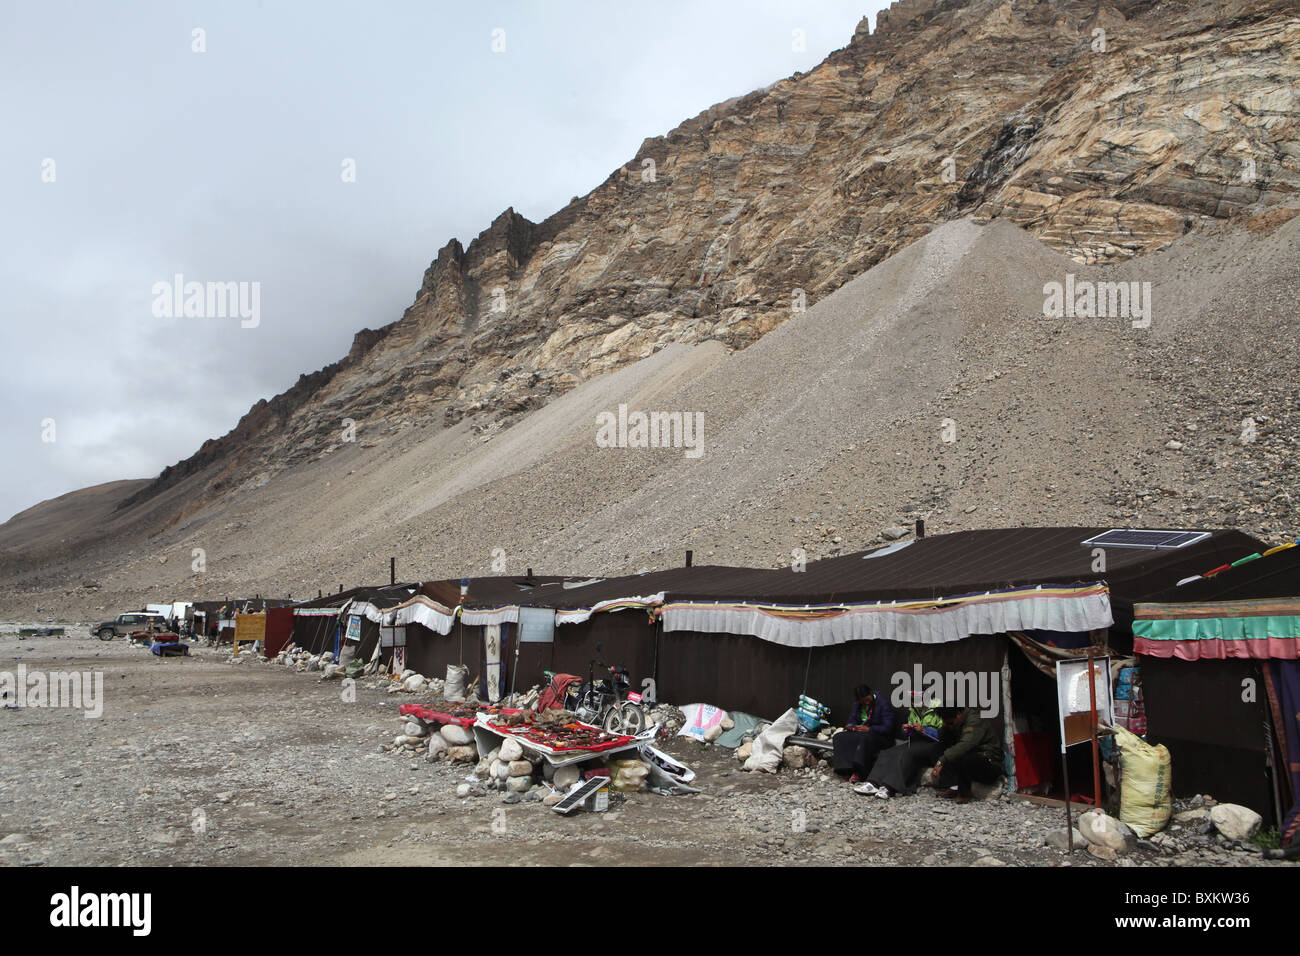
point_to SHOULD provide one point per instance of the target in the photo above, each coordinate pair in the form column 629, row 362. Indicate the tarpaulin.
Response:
column 434, row 716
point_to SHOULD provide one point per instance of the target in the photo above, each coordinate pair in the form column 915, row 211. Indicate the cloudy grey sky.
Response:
column 130, row 157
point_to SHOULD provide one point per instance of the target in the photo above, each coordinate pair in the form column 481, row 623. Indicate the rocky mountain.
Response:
column 1105, row 129
column 1110, row 132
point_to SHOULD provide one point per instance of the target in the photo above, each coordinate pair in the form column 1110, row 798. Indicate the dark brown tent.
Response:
column 1212, row 712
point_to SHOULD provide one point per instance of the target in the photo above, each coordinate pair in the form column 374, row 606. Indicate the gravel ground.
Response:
column 200, row 761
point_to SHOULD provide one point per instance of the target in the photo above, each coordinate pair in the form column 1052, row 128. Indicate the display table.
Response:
column 561, row 745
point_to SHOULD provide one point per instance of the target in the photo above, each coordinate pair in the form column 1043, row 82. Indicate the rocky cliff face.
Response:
column 1105, row 129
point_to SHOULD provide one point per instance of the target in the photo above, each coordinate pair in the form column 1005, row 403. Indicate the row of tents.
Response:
column 1211, row 618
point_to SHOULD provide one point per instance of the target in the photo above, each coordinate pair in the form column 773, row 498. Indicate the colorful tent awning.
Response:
column 1261, row 629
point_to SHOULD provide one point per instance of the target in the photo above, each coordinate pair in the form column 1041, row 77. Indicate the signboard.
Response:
column 1073, row 698
column 249, row 627
column 391, row 636
column 536, row 625
column 354, row 627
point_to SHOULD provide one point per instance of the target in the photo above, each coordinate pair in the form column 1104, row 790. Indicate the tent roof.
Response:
column 968, row 562
column 937, row 566
column 260, row 603
column 385, row 596
column 670, row 581
column 489, row 591
column 964, row 562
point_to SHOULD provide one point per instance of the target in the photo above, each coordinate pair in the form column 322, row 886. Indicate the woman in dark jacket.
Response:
column 869, row 730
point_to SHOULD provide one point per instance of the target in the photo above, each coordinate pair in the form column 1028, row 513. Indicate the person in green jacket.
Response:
column 898, row 768
column 975, row 757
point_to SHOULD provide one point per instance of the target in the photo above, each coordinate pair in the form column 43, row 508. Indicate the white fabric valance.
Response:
column 578, row 615
column 436, row 617
column 488, row 616
column 421, row 610
column 918, row 622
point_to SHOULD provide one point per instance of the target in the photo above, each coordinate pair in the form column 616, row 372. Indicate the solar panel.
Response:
column 1150, row 540
column 577, row 796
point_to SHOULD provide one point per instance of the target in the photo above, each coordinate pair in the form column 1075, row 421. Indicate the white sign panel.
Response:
column 1074, row 698
column 536, row 625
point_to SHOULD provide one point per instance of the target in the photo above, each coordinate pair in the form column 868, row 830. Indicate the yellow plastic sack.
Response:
column 628, row 776
column 1145, row 801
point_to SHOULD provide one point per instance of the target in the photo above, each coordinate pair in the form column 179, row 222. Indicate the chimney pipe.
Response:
column 688, row 558
column 392, row 570
column 920, row 528
column 530, row 574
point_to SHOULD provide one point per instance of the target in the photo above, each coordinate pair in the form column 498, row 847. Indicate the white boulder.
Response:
column 511, row 750
column 1100, row 829
column 456, row 735
column 1235, row 821
column 566, row 777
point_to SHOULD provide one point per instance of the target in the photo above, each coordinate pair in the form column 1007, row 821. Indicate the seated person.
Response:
column 869, row 730
column 975, row 757
column 898, row 768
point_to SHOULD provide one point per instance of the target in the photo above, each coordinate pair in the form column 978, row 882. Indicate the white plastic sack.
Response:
column 768, row 746
column 700, row 719
column 457, row 675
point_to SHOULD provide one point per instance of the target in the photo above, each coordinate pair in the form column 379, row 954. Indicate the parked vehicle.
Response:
column 130, row 623
column 608, row 702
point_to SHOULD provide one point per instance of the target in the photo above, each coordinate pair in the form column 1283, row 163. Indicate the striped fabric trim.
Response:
column 1219, row 630
column 1214, row 649
column 813, row 612
column 1203, row 610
